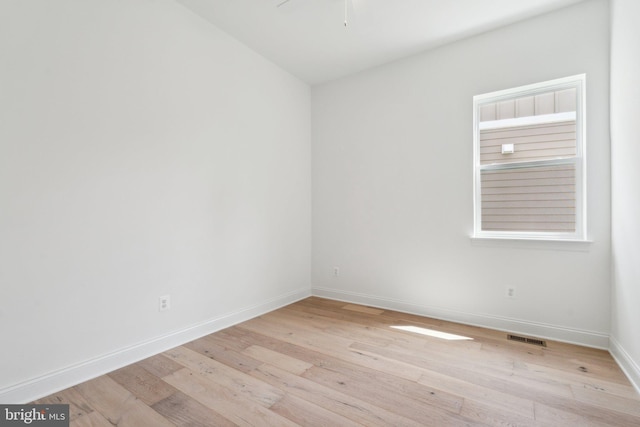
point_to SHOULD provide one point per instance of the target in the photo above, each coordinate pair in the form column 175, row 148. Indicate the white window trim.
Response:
column 577, row 81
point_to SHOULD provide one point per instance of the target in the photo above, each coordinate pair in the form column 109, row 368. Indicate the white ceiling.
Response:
column 308, row 37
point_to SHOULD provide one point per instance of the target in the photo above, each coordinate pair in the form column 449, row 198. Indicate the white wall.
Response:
column 392, row 185
column 142, row 152
column 625, row 154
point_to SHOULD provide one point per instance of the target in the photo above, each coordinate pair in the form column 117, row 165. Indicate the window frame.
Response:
column 579, row 83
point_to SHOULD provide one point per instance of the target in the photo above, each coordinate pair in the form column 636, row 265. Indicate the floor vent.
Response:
column 533, row 341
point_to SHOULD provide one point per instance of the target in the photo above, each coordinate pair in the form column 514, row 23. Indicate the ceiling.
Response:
column 308, row 38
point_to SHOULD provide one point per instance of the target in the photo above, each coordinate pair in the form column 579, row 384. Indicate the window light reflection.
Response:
column 432, row 333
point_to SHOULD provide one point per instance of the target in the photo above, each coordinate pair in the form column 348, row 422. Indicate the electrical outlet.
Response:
column 164, row 303
column 511, row 292
column 336, row 271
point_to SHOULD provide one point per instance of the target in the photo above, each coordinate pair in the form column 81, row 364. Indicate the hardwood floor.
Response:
column 327, row 363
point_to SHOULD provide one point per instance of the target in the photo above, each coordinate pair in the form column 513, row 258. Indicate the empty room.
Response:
column 319, row 212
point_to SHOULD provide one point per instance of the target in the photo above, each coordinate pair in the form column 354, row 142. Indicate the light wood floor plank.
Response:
column 469, row 371
column 93, row 419
column 500, row 401
column 487, row 413
column 142, row 384
column 362, row 309
column 422, row 404
column 118, row 405
column 303, row 412
column 225, row 376
column 184, row 411
column 346, row 405
column 576, row 379
column 234, row 407
column 555, row 417
column 78, row 405
column 278, row 360
column 626, row 405
column 160, row 365
column 320, row 343
column 229, row 356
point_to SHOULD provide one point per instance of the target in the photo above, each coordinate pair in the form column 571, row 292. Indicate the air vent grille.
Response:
column 534, row 341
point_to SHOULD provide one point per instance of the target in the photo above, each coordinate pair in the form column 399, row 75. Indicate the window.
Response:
column 529, row 162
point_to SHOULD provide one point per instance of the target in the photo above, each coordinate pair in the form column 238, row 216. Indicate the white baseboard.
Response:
column 50, row 383
column 53, row 382
column 557, row 333
column 626, row 363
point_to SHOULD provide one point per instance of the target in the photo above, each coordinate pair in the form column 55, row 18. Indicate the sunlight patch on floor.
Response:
column 432, row 333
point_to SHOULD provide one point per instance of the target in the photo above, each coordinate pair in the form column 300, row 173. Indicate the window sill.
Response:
column 532, row 243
